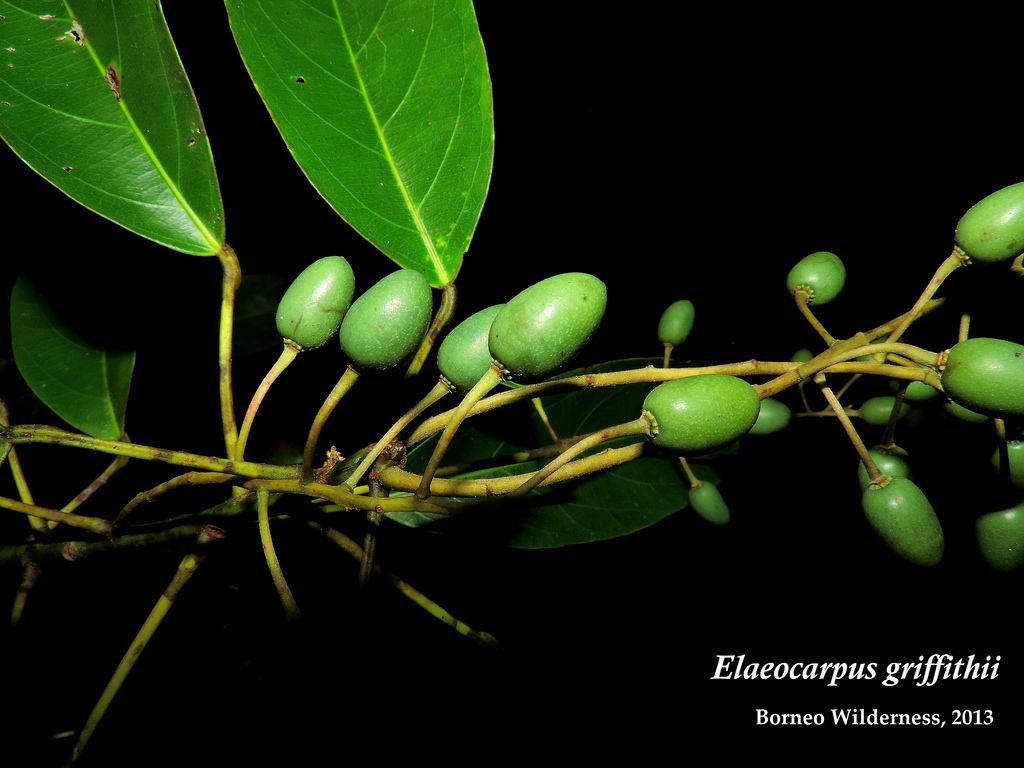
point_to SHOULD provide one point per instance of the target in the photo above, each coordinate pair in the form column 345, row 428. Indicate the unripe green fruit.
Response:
column 822, row 273
column 676, row 323
column 707, row 502
column 917, row 391
column 700, row 414
column 960, row 413
column 902, row 515
column 1015, row 452
column 877, row 410
column 464, row 356
column 802, row 356
column 384, row 326
column 986, row 376
column 314, row 305
column 774, row 417
column 1000, row 537
column 541, row 329
column 891, row 461
column 993, row 229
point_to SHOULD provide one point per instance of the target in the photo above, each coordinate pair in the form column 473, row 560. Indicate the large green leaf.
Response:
column 93, row 97
column 84, row 384
column 386, row 107
column 613, row 503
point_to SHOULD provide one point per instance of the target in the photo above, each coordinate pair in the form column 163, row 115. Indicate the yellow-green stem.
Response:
column 640, row 426
column 231, row 280
column 802, row 297
column 952, row 262
column 345, row 383
column 287, row 355
column 445, row 313
column 440, row 390
column 291, row 608
column 851, row 431
column 487, row 382
column 185, row 570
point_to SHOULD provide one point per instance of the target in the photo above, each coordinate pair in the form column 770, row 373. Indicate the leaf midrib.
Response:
column 204, row 232
column 407, row 198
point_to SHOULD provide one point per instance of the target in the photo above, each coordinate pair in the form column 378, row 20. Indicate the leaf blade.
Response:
column 386, row 107
column 95, row 100
column 83, row 383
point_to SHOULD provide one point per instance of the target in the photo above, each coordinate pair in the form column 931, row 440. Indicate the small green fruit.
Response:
column 960, row 413
column 314, row 305
column 877, row 410
column 676, row 323
column 700, row 414
column 822, row 274
column 707, row 501
column 774, row 417
column 993, row 229
column 890, row 461
column 543, row 327
column 464, row 356
column 803, row 355
column 917, row 391
column 1000, row 537
column 986, row 376
column 902, row 515
column 1015, row 452
column 384, row 326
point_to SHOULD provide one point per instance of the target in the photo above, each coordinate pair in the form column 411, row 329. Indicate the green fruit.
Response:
column 986, row 376
column 993, row 229
column 708, row 503
column 960, row 413
column 315, row 303
column 802, row 356
column 1000, row 537
column 890, row 461
column 822, row 274
column 774, row 417
column 1015, row 452
column 384, row 326
column 700, row 414
column 464, row 356
column 877, row 410
column 917, row 391
column 541, row 329
column 902, row 515
column 676, row 323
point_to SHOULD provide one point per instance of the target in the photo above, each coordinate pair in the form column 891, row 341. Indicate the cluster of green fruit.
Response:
column 540, row 330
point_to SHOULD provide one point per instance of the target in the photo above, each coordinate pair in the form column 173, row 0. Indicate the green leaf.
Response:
column 606, row 505
column 94, row 98
column 84, row 384
column 386, row 107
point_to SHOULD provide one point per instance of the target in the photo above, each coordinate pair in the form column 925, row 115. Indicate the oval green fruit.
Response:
column 384, row 327
column 676, row 323
column 1015, row 452
column 700, row 414
column 917, row 391
column 541, row 329
column 902, row 515
column 774, row 417
column 707, row 501
column 877, row 410
column 314, row 305
column 986, row 376
column 993, row 229
column 822, row 274
column 890, row 461
column 1000, row 537
column 802, row 355
column 464, row 355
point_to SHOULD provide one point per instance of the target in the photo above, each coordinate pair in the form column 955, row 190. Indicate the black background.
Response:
column 675, row 157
